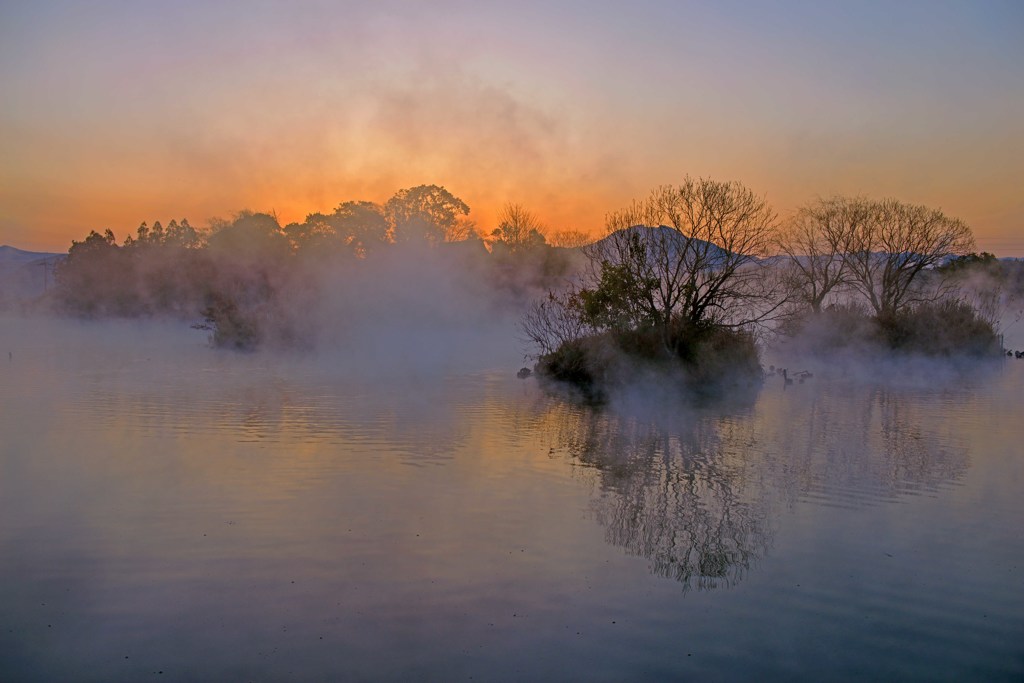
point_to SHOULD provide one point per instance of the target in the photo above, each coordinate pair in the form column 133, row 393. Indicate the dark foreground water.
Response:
column 170, row 512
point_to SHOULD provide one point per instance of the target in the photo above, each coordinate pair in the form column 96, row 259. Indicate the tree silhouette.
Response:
column 425, row 213
column 895, row 245
column 683, row 259
column 816, row 242
column 518, row 230
column 250, row 236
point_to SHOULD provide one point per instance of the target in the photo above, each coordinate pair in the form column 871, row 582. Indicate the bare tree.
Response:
column 816, row 241
column 895, row 245
column 553, row 321
column 518, row 228
column 687, row 253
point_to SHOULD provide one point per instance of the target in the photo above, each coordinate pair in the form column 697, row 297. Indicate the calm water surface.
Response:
column 171, row 512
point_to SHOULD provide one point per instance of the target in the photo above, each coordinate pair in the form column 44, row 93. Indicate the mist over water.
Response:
column 286, row 407
column 167, row 506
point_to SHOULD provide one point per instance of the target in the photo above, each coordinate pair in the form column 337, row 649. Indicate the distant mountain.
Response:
column 13, row 255
column 25, row 275
column 675, row 240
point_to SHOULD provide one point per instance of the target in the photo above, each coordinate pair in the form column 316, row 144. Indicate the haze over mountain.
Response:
column 9, row 254
column 25, row 275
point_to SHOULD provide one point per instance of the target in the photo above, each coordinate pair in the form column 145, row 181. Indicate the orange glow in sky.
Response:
column 116, row 114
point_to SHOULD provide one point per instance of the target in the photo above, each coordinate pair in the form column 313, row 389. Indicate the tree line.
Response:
column 687, row 266
column 237, row 274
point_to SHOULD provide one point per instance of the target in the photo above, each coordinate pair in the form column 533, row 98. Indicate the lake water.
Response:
column 171, row 512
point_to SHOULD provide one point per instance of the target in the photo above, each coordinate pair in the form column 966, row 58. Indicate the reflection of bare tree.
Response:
column 696, row 493
column 675, row 494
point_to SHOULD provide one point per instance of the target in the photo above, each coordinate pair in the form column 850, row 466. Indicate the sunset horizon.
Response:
column 118, row 114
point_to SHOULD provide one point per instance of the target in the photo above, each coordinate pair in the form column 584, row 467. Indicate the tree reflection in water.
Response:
column 698, row 492
column 673, row 490
column 679, row 501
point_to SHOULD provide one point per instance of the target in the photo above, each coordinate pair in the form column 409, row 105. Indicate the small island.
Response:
column 687, row 300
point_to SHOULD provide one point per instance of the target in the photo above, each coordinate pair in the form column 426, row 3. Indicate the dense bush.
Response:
column 835, row 327
column 943, row 328
column 939, row 328
column 232, row 328
column 702, row 360
column 574, row 363
column 722, row 359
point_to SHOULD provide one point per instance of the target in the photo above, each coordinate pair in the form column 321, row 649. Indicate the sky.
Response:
column 114, row 113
